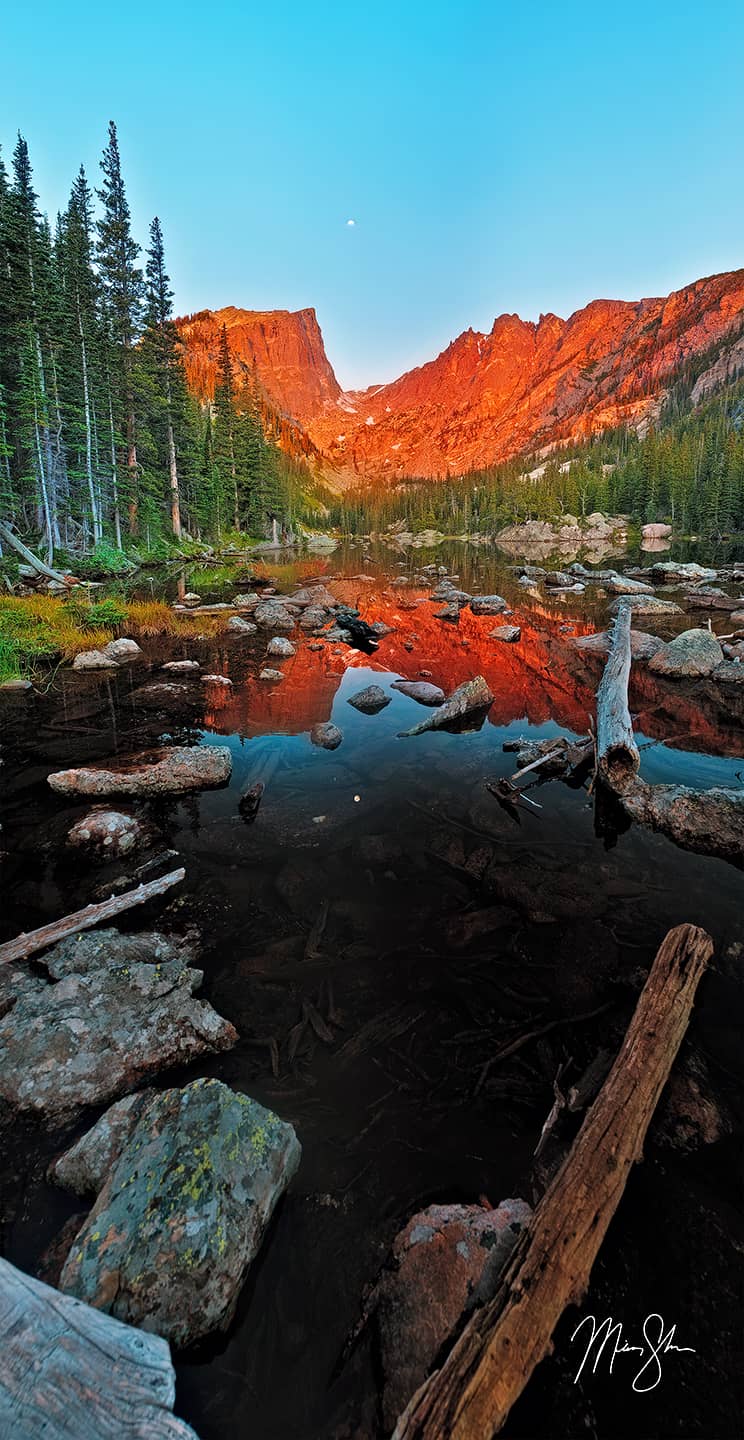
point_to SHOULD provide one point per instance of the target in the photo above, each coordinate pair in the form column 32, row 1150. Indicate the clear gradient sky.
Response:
column 495, row 156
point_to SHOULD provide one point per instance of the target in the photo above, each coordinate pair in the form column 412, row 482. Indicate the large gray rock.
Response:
column 238, row 626
column 488, row 605
column 708, row 821
column 670, row 572
column 183, row 1209
column 314, row 618
column 71, row 1373
column 249, row 601
column 694, row 652
column 93, row 660
column 712, row 600
column 645, row 605
column 271, row 614
column 108, row 834
column 370, row 700
column 182, row 667
column 280, row 646
column 469, row 702
column 445, row 1260
column 730, row 672
column 112, row 1020
column 420, row 690
column 162, row 772
column 624, row 585
column 642, row 646
column 656, row 532
column 273, row 677
column 122, row 651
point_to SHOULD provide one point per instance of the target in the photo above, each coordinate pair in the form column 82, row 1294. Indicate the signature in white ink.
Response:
column 658, row 1341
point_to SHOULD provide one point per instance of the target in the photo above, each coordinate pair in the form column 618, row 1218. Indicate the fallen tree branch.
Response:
column 618, row 760
column 7, row 535
column 28, row 944
column 471, row 1395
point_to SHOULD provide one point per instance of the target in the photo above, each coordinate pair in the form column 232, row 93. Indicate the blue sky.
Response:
column 494, row 156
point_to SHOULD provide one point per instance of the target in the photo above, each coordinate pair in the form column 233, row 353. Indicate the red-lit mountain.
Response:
column 523, row 386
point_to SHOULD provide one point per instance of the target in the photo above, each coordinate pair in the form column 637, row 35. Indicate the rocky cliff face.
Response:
column 523, row 386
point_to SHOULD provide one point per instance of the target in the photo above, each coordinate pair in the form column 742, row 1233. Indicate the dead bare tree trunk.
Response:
column 29, row 944
column 618, row 760
column 470, row 1397
column 33, row 560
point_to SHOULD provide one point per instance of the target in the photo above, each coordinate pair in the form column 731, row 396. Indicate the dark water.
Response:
column 401, row 840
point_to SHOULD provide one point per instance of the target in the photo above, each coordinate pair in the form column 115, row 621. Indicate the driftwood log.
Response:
column 70, row 1372
column 618, row 760
column 28, row 944
column 41, row 568
column 471, row 1395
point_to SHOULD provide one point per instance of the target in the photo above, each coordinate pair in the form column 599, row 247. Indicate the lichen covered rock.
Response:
column 183, row 1210
column 161, row 772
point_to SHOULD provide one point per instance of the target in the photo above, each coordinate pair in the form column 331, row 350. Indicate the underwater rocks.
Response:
column 182, row 667
column 370, row 701
column 469, row 702
column 183, row 1209
column 488, row 605
column 121, row 1010
column 509, row 634
column 108, row 834
column 272, row 676
column 446, row 1260
column 162, row 772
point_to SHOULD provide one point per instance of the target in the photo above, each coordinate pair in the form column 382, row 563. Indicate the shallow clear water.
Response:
column 406, row 845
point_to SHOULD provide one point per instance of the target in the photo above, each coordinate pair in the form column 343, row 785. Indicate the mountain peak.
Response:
column 526, row 384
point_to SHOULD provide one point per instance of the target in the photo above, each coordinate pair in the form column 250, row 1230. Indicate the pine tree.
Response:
column 124, row 293
column 164, row 355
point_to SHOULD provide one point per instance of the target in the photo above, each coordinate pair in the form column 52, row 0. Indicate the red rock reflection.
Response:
column 540, row 678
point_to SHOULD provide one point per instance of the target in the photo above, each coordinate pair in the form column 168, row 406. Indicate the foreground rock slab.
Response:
column 122, row 1010
column 447, row 1259
column 708, row 821
column 161, row 772
column 71, row 1373
column 183, row 1210
column 468, row 703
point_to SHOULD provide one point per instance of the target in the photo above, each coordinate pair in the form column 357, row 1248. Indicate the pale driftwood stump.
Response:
column 470, row 1397
column 618, row 760
column 28, row 944
column 68, row 1372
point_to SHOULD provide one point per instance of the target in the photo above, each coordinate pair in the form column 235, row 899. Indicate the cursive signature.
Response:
column 657, row 1342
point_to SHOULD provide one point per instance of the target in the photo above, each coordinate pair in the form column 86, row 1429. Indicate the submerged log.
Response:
column 72, row 1373
column 618, row 760
column 28, row 944
column 471, row 1395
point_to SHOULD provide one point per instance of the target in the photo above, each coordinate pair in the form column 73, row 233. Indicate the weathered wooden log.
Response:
column 471, row 1395
column 33, row 560
column 28, row 944
column 618, row 760
column 69, row 1372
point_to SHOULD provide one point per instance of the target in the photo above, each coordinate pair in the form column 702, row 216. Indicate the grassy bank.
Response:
column 39, row 631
